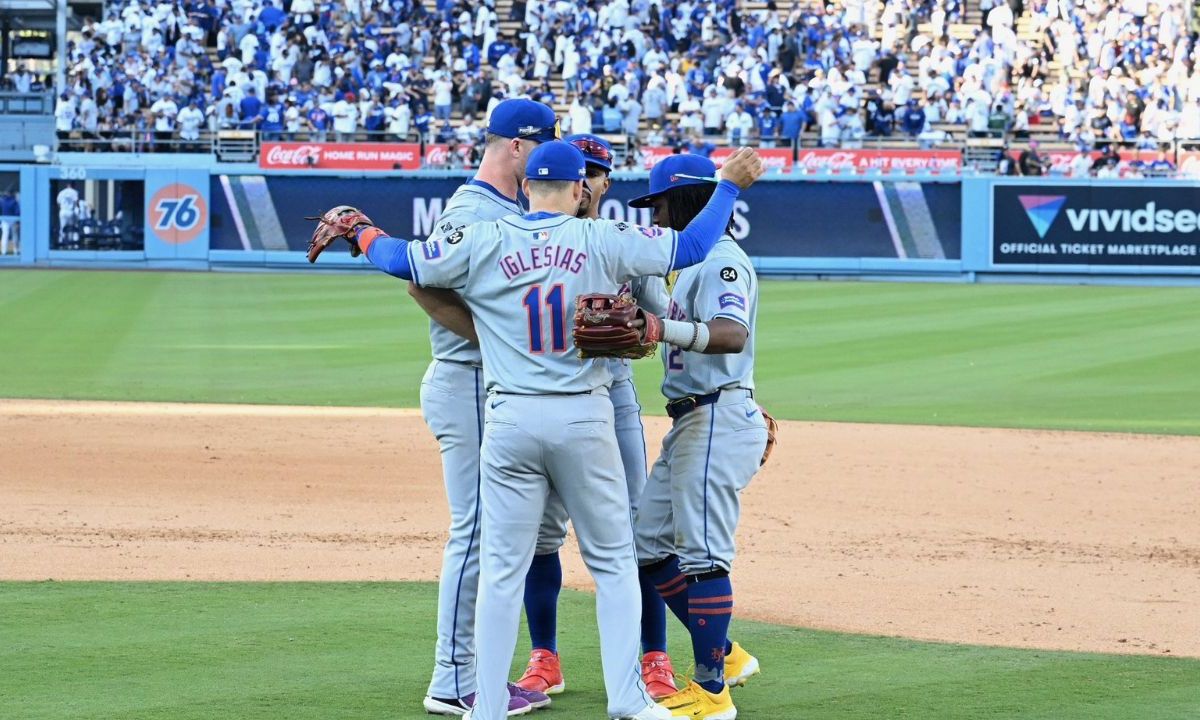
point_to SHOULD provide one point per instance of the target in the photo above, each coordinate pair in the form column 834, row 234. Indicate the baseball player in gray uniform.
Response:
column 544, row 672
column 689, row 510
column 549, row 422
column 452, row 395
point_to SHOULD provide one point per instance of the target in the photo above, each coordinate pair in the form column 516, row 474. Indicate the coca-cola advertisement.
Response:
column 861, row 161
column 829, row 160
column 349, row 156
column 776, row 160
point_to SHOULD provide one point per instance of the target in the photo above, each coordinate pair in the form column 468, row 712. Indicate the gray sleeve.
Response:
column 651, row 294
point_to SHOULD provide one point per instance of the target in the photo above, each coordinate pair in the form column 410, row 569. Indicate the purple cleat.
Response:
column 535, row 699
column 461, row 706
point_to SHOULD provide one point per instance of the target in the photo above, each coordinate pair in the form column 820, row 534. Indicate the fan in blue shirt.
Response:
column 251, row 105
column 768, row 128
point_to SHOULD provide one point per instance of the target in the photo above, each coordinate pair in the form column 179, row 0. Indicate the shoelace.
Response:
column 685, row 679
column 539, row 664
column 657, row 670
column 686, row 694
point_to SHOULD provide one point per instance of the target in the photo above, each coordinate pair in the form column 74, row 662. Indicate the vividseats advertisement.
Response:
column 1113, row 225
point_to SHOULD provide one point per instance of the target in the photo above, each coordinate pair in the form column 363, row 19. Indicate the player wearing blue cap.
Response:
column 452, row 396
column 549, row 422
column 544, row 581
column 689, row 510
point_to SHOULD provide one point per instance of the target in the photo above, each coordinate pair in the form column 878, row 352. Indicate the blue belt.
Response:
column 678, row 408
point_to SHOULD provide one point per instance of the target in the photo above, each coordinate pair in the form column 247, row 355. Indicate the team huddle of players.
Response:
column 532, row 434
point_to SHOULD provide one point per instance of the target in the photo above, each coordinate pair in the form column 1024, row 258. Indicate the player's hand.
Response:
column 742, row 168
column 614, row 326
column 648, row 325
column 340, row 222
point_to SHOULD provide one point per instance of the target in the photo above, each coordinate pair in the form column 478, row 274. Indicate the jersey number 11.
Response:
column 558, row 321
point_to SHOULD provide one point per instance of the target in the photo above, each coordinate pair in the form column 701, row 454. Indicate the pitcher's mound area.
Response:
column 1078, row 541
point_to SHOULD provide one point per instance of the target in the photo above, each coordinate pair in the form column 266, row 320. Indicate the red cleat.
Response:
column 543, row 674
column 658, row 675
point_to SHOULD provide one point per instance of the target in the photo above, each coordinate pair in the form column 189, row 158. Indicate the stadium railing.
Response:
column 17, row 103
column 979, row 155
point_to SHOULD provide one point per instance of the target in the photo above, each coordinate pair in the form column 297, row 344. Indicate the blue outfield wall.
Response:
column 195, row 214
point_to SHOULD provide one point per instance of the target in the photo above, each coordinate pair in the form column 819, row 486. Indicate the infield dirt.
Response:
column 1076, row 541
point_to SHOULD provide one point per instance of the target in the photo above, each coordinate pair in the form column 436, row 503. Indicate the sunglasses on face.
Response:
column 593, row 149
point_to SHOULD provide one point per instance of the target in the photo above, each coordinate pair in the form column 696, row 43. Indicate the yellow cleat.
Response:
column 740, row 666
column 696, row 703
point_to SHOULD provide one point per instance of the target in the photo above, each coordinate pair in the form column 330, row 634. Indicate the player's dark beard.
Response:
column 585, row 204
column 685, row 203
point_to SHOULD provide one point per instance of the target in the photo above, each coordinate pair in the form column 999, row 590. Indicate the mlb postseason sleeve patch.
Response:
column 731, row 300
column 432, row 249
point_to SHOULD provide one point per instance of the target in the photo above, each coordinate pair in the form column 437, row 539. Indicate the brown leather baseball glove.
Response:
column 772, row 435
column 340, row 222
column 602, row 327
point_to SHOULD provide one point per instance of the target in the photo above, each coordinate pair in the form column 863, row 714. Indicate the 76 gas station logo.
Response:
column 178, row 213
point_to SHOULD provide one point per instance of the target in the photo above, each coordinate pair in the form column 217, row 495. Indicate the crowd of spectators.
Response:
column 686, row 73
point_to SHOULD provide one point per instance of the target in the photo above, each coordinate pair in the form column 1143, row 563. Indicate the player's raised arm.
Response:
column 433, row 263
column 667, row 249
column 739, row 172
column 353, row 226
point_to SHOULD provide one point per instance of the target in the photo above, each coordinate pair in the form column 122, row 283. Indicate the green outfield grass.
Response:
column 1093, row 358
column 173, row 651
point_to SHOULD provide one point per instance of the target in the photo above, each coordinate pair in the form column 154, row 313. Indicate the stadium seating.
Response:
column 900, row 74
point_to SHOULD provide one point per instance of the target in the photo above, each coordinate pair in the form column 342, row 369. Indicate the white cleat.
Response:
column 651, row 712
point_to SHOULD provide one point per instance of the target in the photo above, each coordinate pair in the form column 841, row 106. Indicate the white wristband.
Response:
column 692, row 337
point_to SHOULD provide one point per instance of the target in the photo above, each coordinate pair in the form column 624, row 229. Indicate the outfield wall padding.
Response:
column 203, row 215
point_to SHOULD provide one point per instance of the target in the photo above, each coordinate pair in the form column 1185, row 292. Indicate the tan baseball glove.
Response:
column 340, row 222
column 772, row 435
column 602, row 327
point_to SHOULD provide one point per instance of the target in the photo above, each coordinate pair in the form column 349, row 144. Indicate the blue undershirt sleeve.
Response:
column 703, row 232
column 389, row 254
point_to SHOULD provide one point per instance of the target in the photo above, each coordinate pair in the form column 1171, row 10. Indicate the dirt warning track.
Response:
column 1079, row 541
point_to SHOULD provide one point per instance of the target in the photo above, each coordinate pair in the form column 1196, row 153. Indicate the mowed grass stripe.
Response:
column 1064, row 357
column 1022, row 356
column 364, row 650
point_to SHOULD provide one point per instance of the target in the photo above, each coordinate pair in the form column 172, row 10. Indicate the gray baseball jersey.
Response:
column 472, row 202
column 548, row 424
column 691, row 504
column 723, row 286
column 651, row 294
column 452, row 396
column 521, row 275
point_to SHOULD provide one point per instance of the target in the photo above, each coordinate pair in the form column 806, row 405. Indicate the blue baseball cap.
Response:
column 677, row 171
column 555, row 160
column 596, row 150
column 526, row 119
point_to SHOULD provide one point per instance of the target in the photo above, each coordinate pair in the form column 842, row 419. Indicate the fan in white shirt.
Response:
column 190, row 119
column 164, row 111
column 345, row 117
column 64, row 113
column 399, row 120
